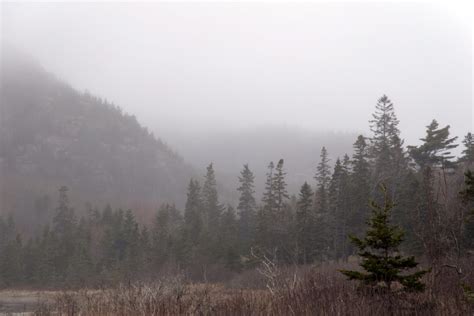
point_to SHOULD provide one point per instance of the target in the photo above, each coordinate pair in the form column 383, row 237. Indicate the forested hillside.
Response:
column 53, row 135
column 429, row 189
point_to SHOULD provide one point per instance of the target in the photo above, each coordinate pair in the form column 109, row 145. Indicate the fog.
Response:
column 182, row 158
column 187, row 68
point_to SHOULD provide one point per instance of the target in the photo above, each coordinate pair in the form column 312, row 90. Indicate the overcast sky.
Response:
column 185, row 66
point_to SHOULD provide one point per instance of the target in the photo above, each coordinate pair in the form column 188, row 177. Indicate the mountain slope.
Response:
column 53, row 135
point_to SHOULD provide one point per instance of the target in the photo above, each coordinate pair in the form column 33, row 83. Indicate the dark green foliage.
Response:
column 11, row 267
column 279, row 185
column 409, row 207
column 305, row 225
column 385, row 142
column 323, row 173
column 468, row 193
column 268, row 199
column 64, row 229
column 379, row 250
column 210, row 246
column 193, row 222
column 273, row 218
column 247, row 208
column 388, row 158
column 211, row 207
column 467, row 196
column 433, row 159
column 468, row 151
column 360, row 185
column 321, row 205
column 435, row 150
column 80, row 269
column 265, row 214
column 339, row 209
column 323, row 178
column 229, row 239
column 165, row 236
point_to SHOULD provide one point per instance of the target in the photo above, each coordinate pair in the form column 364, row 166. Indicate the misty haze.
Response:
column 245, row 158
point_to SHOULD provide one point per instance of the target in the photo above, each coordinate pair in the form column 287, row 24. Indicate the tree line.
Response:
column 209, row 238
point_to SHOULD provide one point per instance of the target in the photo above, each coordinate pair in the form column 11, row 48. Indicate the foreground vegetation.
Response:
column 302, row 291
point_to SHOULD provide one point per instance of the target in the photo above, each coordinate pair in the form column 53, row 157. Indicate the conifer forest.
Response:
column 262, row 197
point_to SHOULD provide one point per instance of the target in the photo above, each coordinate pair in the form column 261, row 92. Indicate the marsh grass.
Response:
column 317, row 291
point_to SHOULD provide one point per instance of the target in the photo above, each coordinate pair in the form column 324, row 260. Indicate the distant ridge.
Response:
column 53, row 135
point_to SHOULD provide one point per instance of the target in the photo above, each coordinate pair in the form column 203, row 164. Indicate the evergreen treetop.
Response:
column 269, row 194
column 247, row 202
column 279, row 186
column 323, row 172
column 210, row 200
column 384, row 123
column 64, row 220
column 435, row 150
column 468, row 152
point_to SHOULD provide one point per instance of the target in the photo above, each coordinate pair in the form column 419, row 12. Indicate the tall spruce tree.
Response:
column 279, row 187
column 229, row 239
column 305, row 225
column 345, row 208
column 321, row 205
column 468, row 151
column 323, row 172
column 31, row 259
column 210, row 245
column 268, row 199
column 130, row 235
column 210, row 200
column 360, row 183
column 64, row 230
column 339, row 208
column 64, row 220
column 399, row 164
column 267, row 215
column 247, row 208
column 46, row 269
column 165, row 235
column 80, row 270
column 467, row 196
column 323, row 178
column 432, row 157
column 407, row 210
column 388, row 157
column 435, row 151
column 11, row 267
column 145, row 248
column 193, row 214
column 380, row 255
column 384, row 126
column 334, row 218
column 282, row 216
column 386, row 148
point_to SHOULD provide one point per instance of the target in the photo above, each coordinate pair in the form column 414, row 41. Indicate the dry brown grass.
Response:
column 321, row 291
